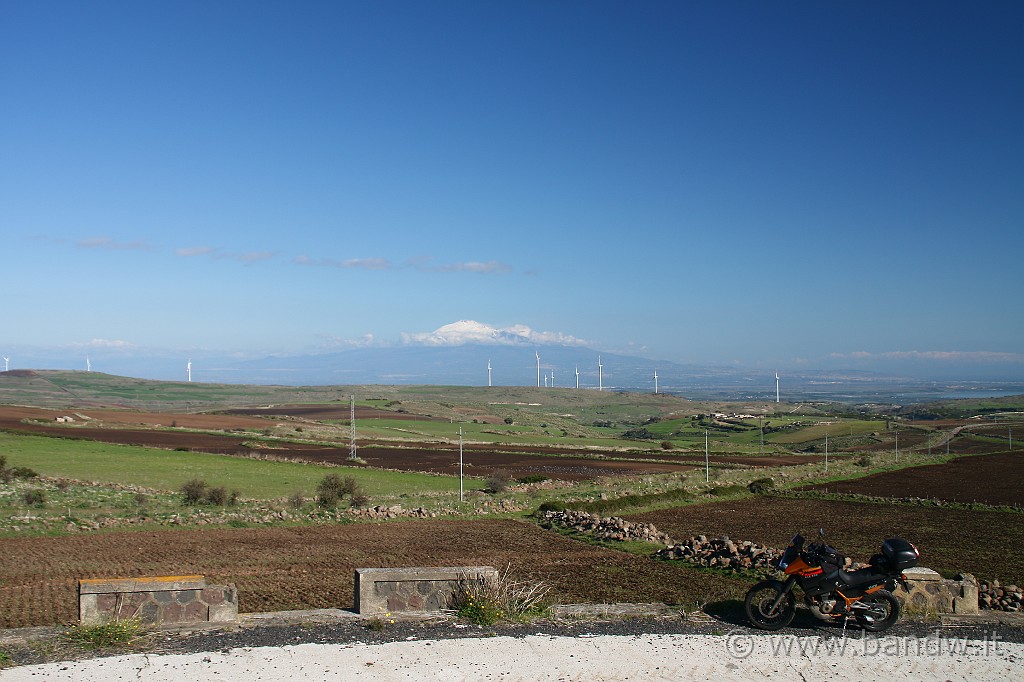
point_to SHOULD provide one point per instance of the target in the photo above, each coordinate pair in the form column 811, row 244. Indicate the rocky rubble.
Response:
column 606, row 528
column 723, row 553
column 992, row 595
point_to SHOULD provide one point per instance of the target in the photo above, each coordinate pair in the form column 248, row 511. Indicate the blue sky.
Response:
column 790, row 184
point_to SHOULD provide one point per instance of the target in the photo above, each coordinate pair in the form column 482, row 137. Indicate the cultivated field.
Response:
column 312, row 567
column 140, row 441
column 988, row 544
column 990, row 479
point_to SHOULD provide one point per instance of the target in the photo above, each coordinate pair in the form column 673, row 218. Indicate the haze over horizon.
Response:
column 796, row 186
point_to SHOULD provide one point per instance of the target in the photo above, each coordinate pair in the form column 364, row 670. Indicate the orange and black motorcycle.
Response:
column 832, row 593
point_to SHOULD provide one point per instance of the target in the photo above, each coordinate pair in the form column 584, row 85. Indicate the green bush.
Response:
column 550, row 506
column 497, row 482
column 761, row 486
column 533, row 478
column 333, row 488
column 35, row 497
column 194, row 491
column 723, row 490
column 217, row 496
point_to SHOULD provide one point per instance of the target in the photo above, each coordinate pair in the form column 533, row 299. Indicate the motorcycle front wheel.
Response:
column 759, row 601
column 881, row 612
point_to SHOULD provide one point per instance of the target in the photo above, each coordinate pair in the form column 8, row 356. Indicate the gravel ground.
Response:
column 49, row 646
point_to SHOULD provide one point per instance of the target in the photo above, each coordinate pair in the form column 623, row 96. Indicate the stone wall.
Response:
column 166, row 600
column 931, row 593
column 397, row 590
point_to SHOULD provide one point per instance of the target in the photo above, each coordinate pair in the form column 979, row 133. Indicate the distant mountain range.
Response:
column 461, row 352
column 516, row 365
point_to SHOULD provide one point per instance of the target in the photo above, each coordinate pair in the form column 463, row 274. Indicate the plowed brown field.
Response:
column 483, row 459
column 312, row 567
column 987, row 544
column 991, row 479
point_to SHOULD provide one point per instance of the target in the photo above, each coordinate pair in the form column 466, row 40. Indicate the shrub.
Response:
column 359, row 499
column 23, row 472
column 141, row 498
column 638, row 434
column 297, row 500
column 550, row 506
column 761, row 486
column 721, row 490
column 194, row 491
column 332, row 488
column 509, row 421
column 35, row 497
column 533, row 478
column 217, row 496
column 865, row 461
column 62, row 484
column 498, row 482
column 507, row 598
column 667, row 445
column 8, row 474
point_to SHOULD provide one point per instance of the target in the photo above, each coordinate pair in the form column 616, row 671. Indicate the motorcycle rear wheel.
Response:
column 883, row 611
column 758, row 606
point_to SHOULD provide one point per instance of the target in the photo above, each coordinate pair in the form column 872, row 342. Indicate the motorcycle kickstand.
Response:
column 846, row 619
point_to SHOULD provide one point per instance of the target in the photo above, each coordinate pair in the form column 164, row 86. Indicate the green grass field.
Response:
column 168, row 470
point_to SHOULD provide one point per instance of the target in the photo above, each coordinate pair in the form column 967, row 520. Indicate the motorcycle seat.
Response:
column 862, row 576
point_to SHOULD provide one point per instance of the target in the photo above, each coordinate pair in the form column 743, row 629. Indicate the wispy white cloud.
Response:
column 490, row 267
column 251, row 256
column 933, row 355
column 350, row 263
column 470, row 331
column 247, row 257
column 365, row 341
column 113, row 344
column 193, row 251
column 110, row 244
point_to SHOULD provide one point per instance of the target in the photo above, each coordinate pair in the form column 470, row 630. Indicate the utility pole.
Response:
column 760, row 427
column 352, row 428
column 707, row 460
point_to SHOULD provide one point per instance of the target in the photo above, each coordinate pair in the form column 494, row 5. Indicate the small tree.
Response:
column 333, row 488
column 194, row 491
column 498, row 482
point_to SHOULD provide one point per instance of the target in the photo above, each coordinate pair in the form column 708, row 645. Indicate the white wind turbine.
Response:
column 655, row 382
column 776, row 386
column 600, row 374
column 537, row 353
column 88, row 365
column 188, row 370
column 7, row 365
column 577, row 377
column 488, row 372
column 552, row 378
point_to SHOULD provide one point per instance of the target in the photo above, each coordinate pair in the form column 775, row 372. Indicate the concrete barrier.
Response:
column 164, row 600
column 931, row 593
column 398, row 590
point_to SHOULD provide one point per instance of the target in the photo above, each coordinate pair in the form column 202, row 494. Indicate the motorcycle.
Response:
column 831, row 592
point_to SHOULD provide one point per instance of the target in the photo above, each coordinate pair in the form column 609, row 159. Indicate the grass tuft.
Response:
column 113, row 633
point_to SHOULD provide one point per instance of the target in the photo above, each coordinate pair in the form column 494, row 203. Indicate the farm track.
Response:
column 312, row 567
